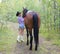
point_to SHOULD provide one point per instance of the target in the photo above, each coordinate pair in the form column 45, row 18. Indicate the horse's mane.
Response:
column 24, row 12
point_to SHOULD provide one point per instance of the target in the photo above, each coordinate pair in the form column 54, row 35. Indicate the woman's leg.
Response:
column 19, row 37
column 21, row 33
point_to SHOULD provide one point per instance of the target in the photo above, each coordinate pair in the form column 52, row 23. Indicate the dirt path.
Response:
column 45, row 47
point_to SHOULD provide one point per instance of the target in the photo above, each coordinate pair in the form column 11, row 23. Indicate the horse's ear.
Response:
column 23, row 7
column 26, row 7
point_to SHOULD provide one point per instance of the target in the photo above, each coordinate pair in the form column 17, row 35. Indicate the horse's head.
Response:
column 24, row 12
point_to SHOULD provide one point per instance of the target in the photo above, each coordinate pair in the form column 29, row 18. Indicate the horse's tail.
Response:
column 36, row 29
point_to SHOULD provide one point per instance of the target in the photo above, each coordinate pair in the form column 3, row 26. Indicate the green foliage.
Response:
column 7, row 39
column 49, row 11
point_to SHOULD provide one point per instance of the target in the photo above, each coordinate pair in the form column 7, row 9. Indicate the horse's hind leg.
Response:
column 36, row 42
column 36, row 39
column 31, row 39
column 27, row 36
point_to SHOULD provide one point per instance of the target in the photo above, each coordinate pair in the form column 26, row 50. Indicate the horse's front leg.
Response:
column 27, row 36
column 31, row 39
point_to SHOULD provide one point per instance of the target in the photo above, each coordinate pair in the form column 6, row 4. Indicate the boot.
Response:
column 22, row 39
column 18, row 39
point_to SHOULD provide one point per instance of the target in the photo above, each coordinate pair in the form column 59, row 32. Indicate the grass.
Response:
column 52, row 36
column 7, row 39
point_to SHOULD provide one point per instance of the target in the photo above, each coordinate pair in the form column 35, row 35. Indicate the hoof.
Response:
column 30, row 48
column 27, row 44
column 36, row 49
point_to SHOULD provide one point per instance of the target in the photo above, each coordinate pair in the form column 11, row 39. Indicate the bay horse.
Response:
column 32, row 22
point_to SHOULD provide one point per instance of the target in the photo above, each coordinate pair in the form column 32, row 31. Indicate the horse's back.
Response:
column 29, row 18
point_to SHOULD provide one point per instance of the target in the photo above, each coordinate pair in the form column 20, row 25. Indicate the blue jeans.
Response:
column 21, row 26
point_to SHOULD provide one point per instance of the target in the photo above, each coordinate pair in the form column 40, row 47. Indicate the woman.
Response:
column 21, row 27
